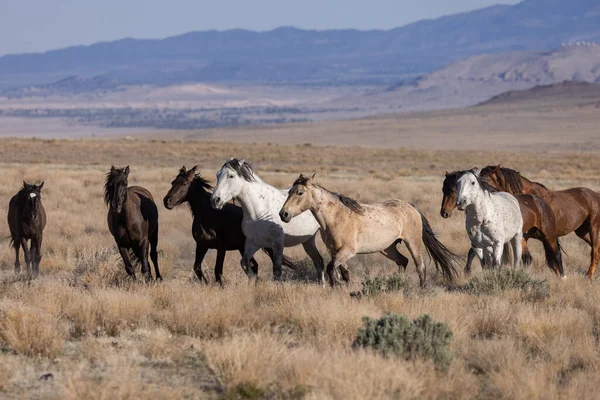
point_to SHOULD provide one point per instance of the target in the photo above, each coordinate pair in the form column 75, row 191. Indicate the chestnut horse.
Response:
column 539, row 221
column 577, row 209
column 349, row 228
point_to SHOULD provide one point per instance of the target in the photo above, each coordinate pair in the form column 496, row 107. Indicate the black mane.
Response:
column 203, row 183
column 243, row 169
column 451, row 182
column 352, row 204
column 109, row 183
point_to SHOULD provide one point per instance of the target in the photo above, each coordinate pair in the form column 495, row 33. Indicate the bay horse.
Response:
column 349, row 228
column 493, row 219
column 577, row 209
column 261, row 223
column 539, row 222
column 211, row 229
column 26, row 221
column 132, row 220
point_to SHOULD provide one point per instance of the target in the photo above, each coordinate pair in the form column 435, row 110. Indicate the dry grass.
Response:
column 103, row 336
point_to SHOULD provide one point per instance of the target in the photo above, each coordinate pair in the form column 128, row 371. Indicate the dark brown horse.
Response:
column 211, row 229
column 27, row 220
column 577, row 210
column 132, row 220
column 539, row 222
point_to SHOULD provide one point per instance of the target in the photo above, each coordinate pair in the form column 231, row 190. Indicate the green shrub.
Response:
column 508, row 279
column 395, row 335
column 377, row 285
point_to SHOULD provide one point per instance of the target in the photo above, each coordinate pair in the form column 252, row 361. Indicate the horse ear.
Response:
column 112, row 168
column 447, row 174
column 126, row 171
column 243, row 161
column 497, row 169
column 313, row 176
column 182, row 169
column 475, row 171
column 194, row 168
column 24, row 184
column 41, row 185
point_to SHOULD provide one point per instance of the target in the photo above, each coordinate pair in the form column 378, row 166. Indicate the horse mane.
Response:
column 350, row 203
column 108, row 185
column 451, row 181
column 202, row 182
column 511, row 178
column 242, row 168
column 484, row 184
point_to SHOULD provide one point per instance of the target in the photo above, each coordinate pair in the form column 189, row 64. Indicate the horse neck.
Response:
column 253, row 205
column 199, row 200
column 25, row 208
column 530, row 187
column 323, row 207
column 481, row 207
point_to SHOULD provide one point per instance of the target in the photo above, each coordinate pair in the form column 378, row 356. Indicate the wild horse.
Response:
column 132, row 220
column 211, row 229
column 27, row 220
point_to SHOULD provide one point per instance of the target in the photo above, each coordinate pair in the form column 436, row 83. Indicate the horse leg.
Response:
column 154, row 255
column 340, row 259
column 517, row 243
column 35, row 255
column 472, row 254
column 414, row 247
column 17, row 246
column 128, row 266
column 200, row 253
column 254, row 263
column 526, row 258
column 331, row 272
column 310, row 247
column 595, row 243
column 394, row 254
column 219, row 265
column 142, row 255
column 497, row 251
column 250, row 248
column 27, row 255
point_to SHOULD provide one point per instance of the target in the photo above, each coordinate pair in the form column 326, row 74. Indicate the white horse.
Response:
column 261, row 224
column 493, row 218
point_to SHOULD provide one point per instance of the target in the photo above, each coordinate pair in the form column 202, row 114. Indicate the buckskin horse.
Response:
column 349, row 228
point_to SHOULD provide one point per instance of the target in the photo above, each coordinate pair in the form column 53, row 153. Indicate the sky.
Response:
column 40, row 25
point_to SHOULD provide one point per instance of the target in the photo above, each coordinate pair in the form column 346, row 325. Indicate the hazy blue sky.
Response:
column 38, row 25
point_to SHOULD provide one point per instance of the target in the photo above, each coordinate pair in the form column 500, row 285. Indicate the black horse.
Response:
column 27, row 220
column 132, row 220
column 212, row 229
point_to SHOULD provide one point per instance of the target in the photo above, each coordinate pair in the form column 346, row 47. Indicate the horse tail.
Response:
column 553, row 258
column 444, row 259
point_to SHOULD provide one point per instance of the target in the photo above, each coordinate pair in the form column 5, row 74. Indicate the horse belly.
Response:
column 375, row 240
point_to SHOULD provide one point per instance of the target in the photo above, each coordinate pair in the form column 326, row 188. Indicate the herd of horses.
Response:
column 502, row 209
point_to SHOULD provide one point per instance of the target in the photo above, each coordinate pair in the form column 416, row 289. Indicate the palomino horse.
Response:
column 211, row 229
column 349, row 228
column 577, row 210
column 261, row 224
column 132, row 220
column 26, row 220
column 492, row 218
column 539, row 222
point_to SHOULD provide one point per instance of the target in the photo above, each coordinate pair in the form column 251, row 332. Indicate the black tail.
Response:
column 553, row 258
column 444, row 259
column 285, row 260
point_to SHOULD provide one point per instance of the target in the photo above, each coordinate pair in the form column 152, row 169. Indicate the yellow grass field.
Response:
column 84, row 330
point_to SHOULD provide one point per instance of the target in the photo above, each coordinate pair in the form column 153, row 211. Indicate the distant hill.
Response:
column 479, row 78
column 581, row 93
column 289, row 55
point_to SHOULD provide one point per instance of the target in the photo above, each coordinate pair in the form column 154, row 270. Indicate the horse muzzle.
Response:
column 216, row 202
column 167, row 203
column 445, row 214
column 285, row 216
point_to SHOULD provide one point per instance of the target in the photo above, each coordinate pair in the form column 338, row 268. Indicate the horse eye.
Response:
column 472, row 183
column 300, row 193
column 230, row 176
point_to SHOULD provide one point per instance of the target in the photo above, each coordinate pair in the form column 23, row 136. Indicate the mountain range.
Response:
column 293, row 56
